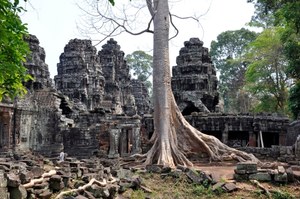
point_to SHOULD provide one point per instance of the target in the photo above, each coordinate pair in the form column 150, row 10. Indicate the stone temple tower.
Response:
column 79, row 74
column 194, row 81
column 118, row 96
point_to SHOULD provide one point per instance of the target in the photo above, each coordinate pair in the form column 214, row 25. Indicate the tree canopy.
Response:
column 266, row 76
column 13, row 50
column 286, row 15
column 227, row 52
column 141, row 64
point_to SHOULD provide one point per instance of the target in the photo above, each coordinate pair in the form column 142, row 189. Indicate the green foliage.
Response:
column 226, row 54
column 141, row 64
column 294, row 102
column 282, row 195
column 286, row 15
column 266, row 76
column 13, row 50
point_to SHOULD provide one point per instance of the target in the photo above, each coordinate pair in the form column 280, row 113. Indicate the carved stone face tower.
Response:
column 194, row 81
column 79, row 74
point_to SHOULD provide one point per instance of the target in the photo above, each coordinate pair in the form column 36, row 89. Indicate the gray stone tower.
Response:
column 36, row 66
column 118, row 96
column 194, row 81
column 79, row 74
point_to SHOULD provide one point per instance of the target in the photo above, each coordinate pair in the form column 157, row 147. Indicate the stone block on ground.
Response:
column 13, row 180
column 18, row 192
column 248, row 167
column 240, row 177
column 281, row 178
column 230, row 187
column 154, row 168
column 260, row 176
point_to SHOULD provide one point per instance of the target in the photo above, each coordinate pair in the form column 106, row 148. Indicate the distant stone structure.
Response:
column 194, row 81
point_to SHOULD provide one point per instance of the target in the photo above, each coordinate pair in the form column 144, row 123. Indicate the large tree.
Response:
column 227, row 52
column 141, row 64
column 13, row 50
column 173, row 137
column 285, row 14
column 266, row 76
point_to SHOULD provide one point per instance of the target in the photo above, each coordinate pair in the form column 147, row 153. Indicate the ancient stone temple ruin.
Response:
column 79, row 75
column 194, row 84
column 194, row 81
column 95, row 108
column 91, row 110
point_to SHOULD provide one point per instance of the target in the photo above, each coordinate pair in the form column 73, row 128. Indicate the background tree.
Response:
column 227, row 52
column 286, row 15
column 141, row 64
column 173, row 138
column 266, row 76
column 13, row 50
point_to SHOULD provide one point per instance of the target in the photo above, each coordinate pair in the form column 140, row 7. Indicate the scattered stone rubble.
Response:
column 283, row 174
column 23, row 175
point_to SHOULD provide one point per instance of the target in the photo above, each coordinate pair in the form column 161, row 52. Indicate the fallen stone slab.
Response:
column 230, row 187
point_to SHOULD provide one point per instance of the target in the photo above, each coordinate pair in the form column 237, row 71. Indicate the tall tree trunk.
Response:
column 173, row 136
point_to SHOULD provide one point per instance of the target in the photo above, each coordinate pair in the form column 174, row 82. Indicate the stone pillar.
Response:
column 282, row 139
column 225, row 134
column 252, row 139
column 136, row 141
column 114, row 135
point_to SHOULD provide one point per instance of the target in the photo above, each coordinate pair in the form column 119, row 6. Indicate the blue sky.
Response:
column 54, row 22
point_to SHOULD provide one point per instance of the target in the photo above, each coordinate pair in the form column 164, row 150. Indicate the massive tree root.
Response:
column 182, row 138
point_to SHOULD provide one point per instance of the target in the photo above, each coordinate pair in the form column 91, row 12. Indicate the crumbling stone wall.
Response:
column 194, row 81
column 38, row 118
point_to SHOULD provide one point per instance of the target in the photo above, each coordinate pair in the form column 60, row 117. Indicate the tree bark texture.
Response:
column 173, row 136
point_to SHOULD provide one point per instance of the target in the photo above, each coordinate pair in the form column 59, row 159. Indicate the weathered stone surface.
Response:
column 230, row 187
column 281, row 177
column 18, row 192
column 141, row 96
column 194, row 81
column 79, row 74
column 248, row 167
column 198, row 177
column 45, row 195
column 117, row 80
column 13, row 180
column 154, row 168
column 266, row 177
column 36, row 66
column 37, row 172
